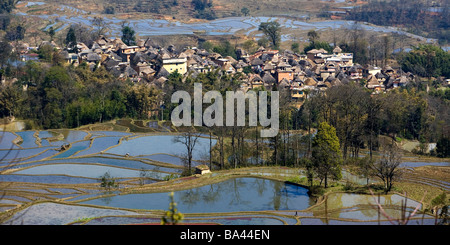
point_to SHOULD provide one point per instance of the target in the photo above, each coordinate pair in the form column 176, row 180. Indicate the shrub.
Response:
column 108, row 182
column 316, row 190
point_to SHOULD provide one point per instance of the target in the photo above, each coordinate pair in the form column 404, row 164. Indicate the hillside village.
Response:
column 150, row 63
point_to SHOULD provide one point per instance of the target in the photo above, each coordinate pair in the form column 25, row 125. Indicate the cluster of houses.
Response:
column 315, row 70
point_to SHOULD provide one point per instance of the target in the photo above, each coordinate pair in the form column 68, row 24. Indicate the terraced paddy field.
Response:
column 52, row 177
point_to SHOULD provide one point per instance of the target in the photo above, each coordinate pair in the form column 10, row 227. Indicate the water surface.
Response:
column 239, row 194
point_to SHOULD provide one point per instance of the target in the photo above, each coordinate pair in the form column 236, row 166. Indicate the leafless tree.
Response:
column 189, row 140
column 404, row 219
column 387, row 167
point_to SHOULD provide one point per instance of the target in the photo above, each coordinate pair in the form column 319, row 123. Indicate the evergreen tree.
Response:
column 71, row 39
column 128, row 36
column 326, row 155
column 51, row 33
column 443, row 147
column 6, row 6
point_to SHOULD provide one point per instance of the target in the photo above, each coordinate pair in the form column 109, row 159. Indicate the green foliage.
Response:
column 225, row 49
column 318, row 45
column 46, row 53
column 359, row 49
column 295, row 47
column 439, row 200
column 109, row 10
column 15, row 33
column 313, row 36
column 348, row 186
column 70, row 96
column 443, row 94
column 208, row 46
column 170, row 177
column 172, row 216
column 128, row 36
column 71, row 39
column 83, row 219
column 316, row 191
column 360, row 118
column 108, row 182
column 247, row 70
column 326, row 154
column 245, row 11
column 201, row 4
column 5, row 20
column 204, row 9
column 427, row 60
column 272, row 31
column 9, row 100
column 263, row 41
column 51, row 33
column 443, row 147
column 6, row 6
column 5, row 53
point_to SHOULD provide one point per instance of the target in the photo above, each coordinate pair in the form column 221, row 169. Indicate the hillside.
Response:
column 185, row 10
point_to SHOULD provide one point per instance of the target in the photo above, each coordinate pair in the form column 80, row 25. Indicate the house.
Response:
column 144, row 70
column 128, row 72
column 202, row 169
column 268, row 81
column 69, row 58
column 297, row 93
column 314, row 54
column 29, row 56
column 175, row 64
column 255, row 81
column 374, row 85
column 127, row 51
column 284, row 84
column 387, row 70
column 228, row 68
column 355, row 72
column 93, row 57
column 284, row 74
column 372, row 70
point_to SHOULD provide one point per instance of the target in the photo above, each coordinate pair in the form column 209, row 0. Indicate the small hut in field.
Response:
column 202, row 169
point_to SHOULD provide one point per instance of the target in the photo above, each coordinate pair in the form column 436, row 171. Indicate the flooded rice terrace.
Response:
column 224, row 26
column 53, row 177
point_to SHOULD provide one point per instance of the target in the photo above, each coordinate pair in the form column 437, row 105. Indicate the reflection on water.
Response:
column 239, row 194
column 362, row 207
column 420, row 164
column 147, row 145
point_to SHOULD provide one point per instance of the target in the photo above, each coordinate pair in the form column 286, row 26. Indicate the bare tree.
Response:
column 189, row 140
column 100, row 26
column 387, row 167
column 404, row 218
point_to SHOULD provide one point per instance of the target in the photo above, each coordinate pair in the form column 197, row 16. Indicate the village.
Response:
column 152, row 64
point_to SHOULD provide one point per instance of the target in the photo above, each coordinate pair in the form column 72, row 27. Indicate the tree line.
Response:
column 68, row 97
